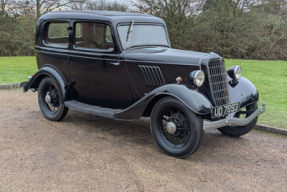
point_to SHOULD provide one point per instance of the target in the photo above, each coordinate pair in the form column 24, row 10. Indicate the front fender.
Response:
column 50, row 71
column 193, row 99
column 243, row 91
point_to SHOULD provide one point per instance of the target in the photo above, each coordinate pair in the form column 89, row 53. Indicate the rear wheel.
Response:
column 176, row 129
column 50, row 101
column 237, row 131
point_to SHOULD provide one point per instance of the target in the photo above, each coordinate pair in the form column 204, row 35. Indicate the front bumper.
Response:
column 233, row 121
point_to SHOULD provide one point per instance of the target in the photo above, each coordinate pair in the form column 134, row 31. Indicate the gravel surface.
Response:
column 89, row 153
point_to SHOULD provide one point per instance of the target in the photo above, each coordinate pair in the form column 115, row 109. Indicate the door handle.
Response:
column 115, row 63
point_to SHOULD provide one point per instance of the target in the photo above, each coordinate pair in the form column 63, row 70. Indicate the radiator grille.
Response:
column 152, row 75
column 218, row 82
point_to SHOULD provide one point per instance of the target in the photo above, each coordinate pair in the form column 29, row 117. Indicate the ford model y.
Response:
column 121, row 66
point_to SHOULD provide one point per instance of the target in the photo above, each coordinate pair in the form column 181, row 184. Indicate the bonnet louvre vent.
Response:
column 152, row 75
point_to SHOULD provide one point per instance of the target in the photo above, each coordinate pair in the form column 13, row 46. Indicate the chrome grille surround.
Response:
column 218, row 82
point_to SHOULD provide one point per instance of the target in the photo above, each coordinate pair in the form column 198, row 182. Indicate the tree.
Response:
column 99, row 5
column 3, row 7
column 179, row 16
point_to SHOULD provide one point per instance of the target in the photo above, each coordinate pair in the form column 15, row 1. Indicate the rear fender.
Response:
column 50, row 71
column 193, row 99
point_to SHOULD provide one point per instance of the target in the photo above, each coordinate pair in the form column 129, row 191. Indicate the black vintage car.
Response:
column 121, row 66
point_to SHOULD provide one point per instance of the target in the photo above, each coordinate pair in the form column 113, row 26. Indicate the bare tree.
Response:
column 3, row 7
column 99, row 5
column 44, row 6
column 162, row 8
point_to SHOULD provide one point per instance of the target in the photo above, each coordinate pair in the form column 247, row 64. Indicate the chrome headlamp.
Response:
column 197, row 77
column 235, row 72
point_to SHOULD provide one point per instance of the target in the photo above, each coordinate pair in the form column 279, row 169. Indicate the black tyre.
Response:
column 237, row 131
column 50, row 101
column 176, row 129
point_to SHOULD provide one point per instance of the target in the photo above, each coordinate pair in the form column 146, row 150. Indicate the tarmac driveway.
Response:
column 89, row 153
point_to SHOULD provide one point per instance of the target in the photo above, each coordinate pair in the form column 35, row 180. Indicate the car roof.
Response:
column 114, row 17
column 103, row 13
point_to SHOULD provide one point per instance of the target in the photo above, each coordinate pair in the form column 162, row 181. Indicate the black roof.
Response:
column 114, row 17
column 103, row 13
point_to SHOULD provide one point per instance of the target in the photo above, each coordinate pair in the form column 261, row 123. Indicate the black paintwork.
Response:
column 51, row 71
column 192, row 98
column 144, row 75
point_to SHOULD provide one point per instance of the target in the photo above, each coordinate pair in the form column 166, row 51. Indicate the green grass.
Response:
column 16, row 69
column 269, row 77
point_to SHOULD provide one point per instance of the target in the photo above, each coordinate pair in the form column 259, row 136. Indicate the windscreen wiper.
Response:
column 130, row 30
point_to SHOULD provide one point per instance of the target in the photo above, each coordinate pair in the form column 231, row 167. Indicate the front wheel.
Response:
column 50, row 101
column 176, row 129
column 237, row 131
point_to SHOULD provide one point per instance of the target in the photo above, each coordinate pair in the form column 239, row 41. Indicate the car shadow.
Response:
column 214, row 143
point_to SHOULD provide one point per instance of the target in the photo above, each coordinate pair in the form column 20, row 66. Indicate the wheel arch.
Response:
column 193, row 99
column 152, row 103
column 52, row 72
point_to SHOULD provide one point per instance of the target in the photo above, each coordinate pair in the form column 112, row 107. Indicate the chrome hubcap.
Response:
column 48, row 99
column 170, row 127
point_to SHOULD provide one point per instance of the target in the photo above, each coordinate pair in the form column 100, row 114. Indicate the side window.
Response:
column 58, row 34
column 93, row 36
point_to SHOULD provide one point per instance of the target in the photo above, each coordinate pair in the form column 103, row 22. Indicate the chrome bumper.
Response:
column 233, row 121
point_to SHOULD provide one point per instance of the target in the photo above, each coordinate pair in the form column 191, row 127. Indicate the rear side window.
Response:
column 58, row 34
column 96, row 36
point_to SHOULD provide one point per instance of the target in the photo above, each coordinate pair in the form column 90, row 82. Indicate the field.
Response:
column 16, row 69
column 270, row 78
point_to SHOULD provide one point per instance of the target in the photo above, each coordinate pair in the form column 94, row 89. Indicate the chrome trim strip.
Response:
column 233, row 120
column 201, row 59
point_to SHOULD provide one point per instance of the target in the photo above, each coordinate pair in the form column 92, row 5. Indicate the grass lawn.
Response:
column 16, row 69
column 269, row 77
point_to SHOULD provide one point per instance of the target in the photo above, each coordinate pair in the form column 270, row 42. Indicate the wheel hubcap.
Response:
column 48, row 99
column 174, row 126
column 170, row 127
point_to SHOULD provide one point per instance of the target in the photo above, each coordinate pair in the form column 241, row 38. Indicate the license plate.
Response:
column 224, row 110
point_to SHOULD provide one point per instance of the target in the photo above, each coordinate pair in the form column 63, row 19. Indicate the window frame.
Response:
column 74, row 47
column 46, row 33
column 143, row 45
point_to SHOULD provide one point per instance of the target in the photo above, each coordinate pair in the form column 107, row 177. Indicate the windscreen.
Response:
column 142, row 35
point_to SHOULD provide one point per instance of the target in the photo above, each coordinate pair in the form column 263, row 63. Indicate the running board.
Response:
column 91, row 109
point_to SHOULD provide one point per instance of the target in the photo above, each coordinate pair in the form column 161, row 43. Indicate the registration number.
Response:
column 224, row 110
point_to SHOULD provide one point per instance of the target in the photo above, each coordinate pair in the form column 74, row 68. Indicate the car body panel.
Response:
column 163, row 55
column 98, row 81
column 50, row 71
column 243, row 91
column 199, row 103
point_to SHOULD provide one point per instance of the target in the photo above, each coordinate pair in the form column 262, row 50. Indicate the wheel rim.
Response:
column 174, row 126
column 50, row 96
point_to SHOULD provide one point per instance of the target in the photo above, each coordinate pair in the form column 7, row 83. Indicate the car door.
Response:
column 97, row 71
